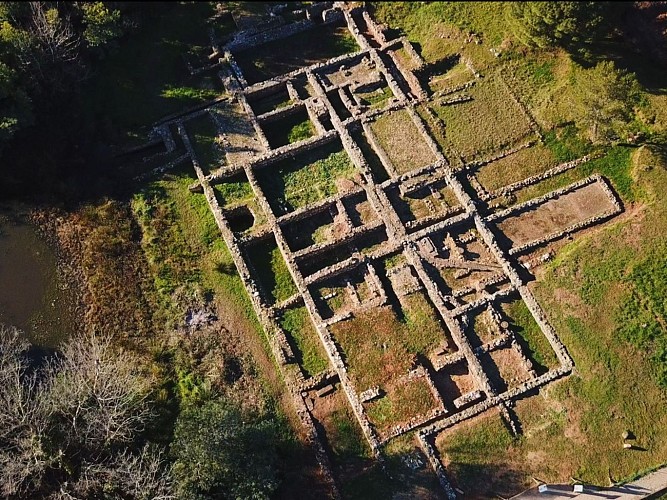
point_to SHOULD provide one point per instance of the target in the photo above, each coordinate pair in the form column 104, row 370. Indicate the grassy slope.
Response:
column 604, row 294
column 186, row 254
column 617, row 335
column 598, row 293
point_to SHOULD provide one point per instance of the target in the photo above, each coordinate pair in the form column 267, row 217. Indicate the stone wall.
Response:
column 401, row 237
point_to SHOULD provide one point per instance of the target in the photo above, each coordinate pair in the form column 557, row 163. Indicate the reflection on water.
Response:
column 31, row 296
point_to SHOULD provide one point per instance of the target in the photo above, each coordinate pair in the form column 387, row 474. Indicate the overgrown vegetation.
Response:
column 535, row 344
column 310, row 352
column 222, row 452
column 272, row 271
column 72, row 425
column 314, row 176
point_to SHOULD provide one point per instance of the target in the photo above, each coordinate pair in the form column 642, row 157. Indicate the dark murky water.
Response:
column 32, row 297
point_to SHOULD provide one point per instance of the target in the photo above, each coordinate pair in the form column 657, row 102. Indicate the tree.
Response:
column 221, row 453
column 570, row 25
column 605, row 98
column 99, row 395
column 45, row 50
column 73, row 418
column 142, row 476
column 15, row 105
column 102, row 24
column 24, row 419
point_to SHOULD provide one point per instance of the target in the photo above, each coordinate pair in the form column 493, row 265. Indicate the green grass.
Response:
column 423, row 328
column 566, row 144
column 189, row 94
column 310, row 178
column 477, row 454
column 374, row 162
column 535, row 344
column 380, row 345
column 614, row 165
column 402, row 141
column 322, row 234
column 295, row 52
column 375, row 99
column 515, row 167
column 311, row 355
column 301, row 131
column 643, row 314
column 490, row 122
column 169, row 255
column 442, row 80
column 541, row 79
column 293, row 128
column 149, row 77
column 421, row 21
column 599, row 291
column 348, row 442
column 272, row 271
column 401, row 403
column 233, row 192
column 183, row 246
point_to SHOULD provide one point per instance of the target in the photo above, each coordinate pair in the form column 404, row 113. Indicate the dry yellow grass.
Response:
column 402, row 142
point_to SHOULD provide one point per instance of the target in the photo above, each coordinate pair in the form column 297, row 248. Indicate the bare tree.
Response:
column 54, row 33
column 139, row 476
column 75, row 416
column 99, row 394
column 24, row 418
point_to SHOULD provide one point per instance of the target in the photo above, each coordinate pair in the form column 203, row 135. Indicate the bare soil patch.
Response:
column 556, row 214
column 241, row 141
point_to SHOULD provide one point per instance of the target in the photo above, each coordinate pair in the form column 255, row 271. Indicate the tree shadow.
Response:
column 486, row 480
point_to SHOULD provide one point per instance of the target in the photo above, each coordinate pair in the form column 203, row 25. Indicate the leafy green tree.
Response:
column 102, row 24
column 570, row 25
column 45, row 51
column 221, row 453
column 605, row 99
column 15, row 105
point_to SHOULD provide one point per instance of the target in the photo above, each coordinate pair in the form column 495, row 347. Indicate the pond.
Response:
column 32, row 296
